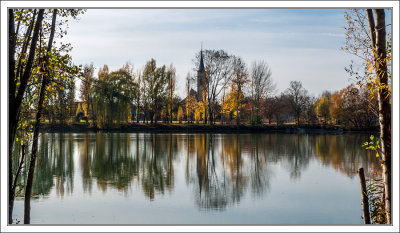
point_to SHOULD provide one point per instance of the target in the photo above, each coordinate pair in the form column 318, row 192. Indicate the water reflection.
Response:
column 219, row 169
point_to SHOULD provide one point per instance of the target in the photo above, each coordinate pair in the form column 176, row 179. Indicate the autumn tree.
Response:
column 309, row 110
column 34, row 60
column 85, row 91
column 54, row 68
column 366, row 38
column 197, row 115
column 322, row 107
column 180, row 115
column 19, row 76
column 138, row 94
column 382, row 78
column 271, row 108
column 154, row 88
column 232, row 103
column 239, row 80
column 171, row 80
column 218, row 69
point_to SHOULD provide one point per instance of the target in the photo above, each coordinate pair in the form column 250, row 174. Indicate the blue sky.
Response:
column 298, row 44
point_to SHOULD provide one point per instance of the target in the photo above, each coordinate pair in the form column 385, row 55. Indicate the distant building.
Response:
column 200, row 83
column 200, row 78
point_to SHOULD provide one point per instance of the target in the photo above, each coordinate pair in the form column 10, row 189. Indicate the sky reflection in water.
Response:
column 120, row 178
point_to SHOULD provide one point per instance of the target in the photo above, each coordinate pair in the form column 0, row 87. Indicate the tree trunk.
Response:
column 364, row 196
column 137, row 113
column 210, row 113
column 32, row 162
column 28, row 189
column 11, row 83
column 15, row 102
column 378, row 33
column 15, row 99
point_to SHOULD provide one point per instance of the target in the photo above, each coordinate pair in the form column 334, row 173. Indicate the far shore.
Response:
column 195, row 128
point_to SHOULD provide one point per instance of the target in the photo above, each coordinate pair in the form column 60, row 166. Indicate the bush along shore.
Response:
column 193, row 128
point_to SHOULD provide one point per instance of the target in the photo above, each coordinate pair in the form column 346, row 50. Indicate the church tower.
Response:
column 200, row 77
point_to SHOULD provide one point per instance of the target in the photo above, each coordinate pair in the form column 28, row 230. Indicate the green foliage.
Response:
column 112, row 97
column 154, row 87
column 255, row 119
column 373, row 144
column 322, row 108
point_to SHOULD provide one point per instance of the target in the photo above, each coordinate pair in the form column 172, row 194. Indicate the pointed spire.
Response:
column 201, row 67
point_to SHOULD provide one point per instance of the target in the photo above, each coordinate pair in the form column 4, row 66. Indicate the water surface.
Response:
column 145, row 178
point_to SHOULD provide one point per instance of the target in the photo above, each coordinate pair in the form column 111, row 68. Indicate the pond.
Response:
column 175, row 178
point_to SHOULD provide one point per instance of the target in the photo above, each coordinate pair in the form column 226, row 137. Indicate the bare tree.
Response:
column 88, row 71
column 139, row 94
column 261, row 84
column 297, row 98
column 190, row 99
column 171, row 80
column 240, row 78
column 219, row 72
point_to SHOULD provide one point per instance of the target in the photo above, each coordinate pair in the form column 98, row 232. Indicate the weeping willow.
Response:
column 112, row 96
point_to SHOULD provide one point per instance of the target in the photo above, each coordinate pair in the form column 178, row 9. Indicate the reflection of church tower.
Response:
column 200, row 77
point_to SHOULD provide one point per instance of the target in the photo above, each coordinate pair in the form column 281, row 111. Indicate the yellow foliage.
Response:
column 190, row 106
column 197, row 115
column 85, row 109
column 79, row 109
column 180, row 115
column 232, row 101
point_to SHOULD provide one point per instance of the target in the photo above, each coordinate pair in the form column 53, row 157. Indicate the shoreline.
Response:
column 196, row 128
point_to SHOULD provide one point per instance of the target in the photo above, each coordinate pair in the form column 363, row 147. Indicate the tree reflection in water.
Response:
column 219, row 168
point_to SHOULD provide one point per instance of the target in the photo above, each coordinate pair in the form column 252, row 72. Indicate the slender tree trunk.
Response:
column 14, row 185
column 137, row 113
column 15, row 99
column 28, row 189
column 210, row 114
column 364, row 196
column 298, row 119
column 27, row 38
column 384, row 108
column 378, row 36
column 88, row 106
column 15, row 102
column 32, row 162
column 11, row 86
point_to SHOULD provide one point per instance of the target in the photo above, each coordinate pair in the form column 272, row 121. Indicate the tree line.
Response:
column 232, row 94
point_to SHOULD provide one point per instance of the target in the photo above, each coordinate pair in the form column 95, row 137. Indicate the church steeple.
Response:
column 200, row 76
column 201, row 67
